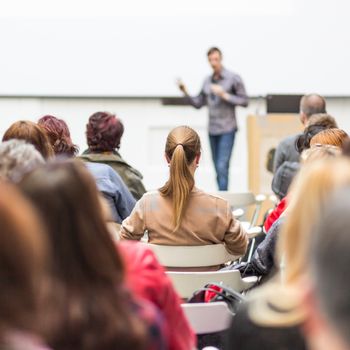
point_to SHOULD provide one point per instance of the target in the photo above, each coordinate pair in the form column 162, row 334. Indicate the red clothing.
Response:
column 147, row 279
column 275, row 214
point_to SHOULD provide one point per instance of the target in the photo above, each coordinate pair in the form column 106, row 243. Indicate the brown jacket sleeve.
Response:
column 236, row 239
column 133, row 227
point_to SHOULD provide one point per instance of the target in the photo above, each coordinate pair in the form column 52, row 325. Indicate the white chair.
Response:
column 186, row 283
column 243, row 200
column 192, row 256
column 208, row 317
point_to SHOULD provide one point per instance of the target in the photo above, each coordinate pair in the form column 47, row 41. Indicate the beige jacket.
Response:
column 207, row 220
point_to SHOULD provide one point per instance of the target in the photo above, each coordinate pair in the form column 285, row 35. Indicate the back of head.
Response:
column 303, row 141
column 86, row 262
column 182, row 147
column 66, row 196
column 332, row 137
column 18, row 158
column 318, row 152
column 103, row 132
column 59, row 135
column 23, row 254
column 330, row 259
column 31, row 133
column 322, row 119
column 310, row 191
column 312, row 104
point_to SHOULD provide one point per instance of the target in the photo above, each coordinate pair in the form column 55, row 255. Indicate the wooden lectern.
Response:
column 265, row 132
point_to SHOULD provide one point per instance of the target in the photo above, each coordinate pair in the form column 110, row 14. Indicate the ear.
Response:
column 197, row 158
column 303, row 118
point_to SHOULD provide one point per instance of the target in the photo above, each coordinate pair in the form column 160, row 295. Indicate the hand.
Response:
column 217, row 90
column 181, row 86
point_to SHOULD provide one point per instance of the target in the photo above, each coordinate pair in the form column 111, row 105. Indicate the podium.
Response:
column 264, row 133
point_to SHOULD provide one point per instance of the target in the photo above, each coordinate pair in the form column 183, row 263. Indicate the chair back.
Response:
column 192, row 256
column 186, row 283
column 208, row 317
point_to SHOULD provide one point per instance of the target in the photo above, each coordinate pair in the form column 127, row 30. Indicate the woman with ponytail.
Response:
column 179, row 213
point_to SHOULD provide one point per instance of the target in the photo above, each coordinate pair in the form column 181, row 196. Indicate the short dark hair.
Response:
column 214, row 49
column 312, row 104
column 302, row 142
column 330, row 260
column 103, row 132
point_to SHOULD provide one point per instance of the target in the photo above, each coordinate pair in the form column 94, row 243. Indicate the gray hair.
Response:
column 18, row 158
column 330, row 261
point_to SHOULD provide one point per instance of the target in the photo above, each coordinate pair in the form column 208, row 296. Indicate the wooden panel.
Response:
column 264, row 133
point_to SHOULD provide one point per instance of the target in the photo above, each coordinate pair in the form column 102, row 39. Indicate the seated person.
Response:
column 179, row 213
column 109, row 183
column 18, row 158
column 97, row 310
column 25, row 316
column 31, row 133
column 103, row 134
column 59, row 135
column 331, row 137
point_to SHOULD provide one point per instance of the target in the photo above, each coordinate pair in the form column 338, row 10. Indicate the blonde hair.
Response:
column 333, row 137
column 182, row 147
column 311, row 188
column 318, row 151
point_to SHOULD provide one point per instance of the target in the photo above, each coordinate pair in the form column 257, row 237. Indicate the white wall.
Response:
column 138, row 47
column 147, row 123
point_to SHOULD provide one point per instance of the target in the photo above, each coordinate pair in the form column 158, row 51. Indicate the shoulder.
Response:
column 232, row 75
column 212, row 198
column 289, row 140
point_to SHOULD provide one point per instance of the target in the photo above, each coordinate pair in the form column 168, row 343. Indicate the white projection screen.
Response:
column 138, row 48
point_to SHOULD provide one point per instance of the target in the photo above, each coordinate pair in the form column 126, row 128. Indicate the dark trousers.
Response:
column 221, row 150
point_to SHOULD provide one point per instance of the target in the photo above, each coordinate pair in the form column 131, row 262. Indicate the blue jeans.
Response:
column 221, row 150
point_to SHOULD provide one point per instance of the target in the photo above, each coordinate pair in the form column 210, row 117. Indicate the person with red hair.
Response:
column 59, row 135
column 103, row 133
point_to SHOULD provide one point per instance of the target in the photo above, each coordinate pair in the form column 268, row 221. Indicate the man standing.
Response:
column 286, row 150
column 221, row 92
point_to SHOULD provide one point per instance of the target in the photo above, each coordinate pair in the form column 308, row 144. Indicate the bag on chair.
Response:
column 213, row 292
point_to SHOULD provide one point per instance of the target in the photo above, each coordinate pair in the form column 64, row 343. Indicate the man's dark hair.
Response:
column 330, row 261
column 214, row 49
column 303, row 141
column 312, row 104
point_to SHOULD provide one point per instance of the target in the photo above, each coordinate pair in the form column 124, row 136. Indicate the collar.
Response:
column 222, row 74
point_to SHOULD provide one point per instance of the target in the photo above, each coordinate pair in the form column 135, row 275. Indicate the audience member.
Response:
column 332, row 137
column 285, row 151
column 276, row 308
column 313, row 153
column 18, row 158
column 287, row 170
column 113, row 189
column 31, row 133
column 103, row 132
column 23, row 273
column 179, row 213
column 322, row 119
column 97, row 311
column 108, row 182
column 59, row 135
column 327, row 302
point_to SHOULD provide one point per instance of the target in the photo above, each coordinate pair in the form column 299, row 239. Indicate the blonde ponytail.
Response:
column 182, row 146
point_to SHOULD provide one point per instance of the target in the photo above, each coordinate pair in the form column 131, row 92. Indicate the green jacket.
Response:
column 131, row 177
